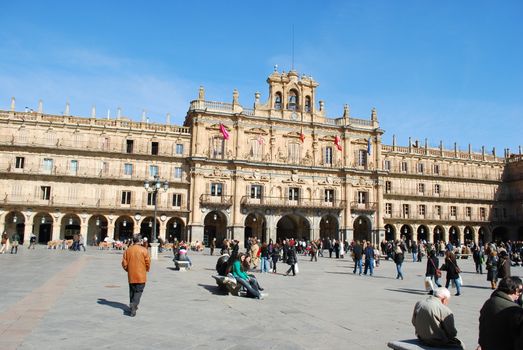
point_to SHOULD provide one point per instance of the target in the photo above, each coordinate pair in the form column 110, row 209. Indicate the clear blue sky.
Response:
column 443, row 70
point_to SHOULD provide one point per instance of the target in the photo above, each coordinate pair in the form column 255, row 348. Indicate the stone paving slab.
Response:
column 325, row 307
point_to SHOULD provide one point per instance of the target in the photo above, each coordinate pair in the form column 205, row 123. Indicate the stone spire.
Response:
column 168, row 119
column 346, row 111
column 235, row 96
column 201, row 93
column 67, row 108
column 13, row 104
column 374, row 114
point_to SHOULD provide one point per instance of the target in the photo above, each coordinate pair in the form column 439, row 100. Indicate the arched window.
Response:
column 307, row 104
column 293, row 100
column 277, row 101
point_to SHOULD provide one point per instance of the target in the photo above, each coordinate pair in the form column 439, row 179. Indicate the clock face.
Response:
column 294, row 116
column 137, row 216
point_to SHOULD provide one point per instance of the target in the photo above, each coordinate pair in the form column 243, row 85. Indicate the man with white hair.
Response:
column 434, row 322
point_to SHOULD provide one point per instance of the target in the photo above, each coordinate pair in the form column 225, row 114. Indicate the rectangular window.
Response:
column 496, row 212
column 48, row 165
column 388, row 186
column 256, row 149
column 362, row 197
column 216, row 189
column 177, row 200
column 387, row 165
column 217, row 147
column 179, row 148
column 256, row 191
column 154, row 148
column 436, row 168
column 404, row 167
column 421, row 188
column 151, row 198
column 19, row 162
column 105, row 144
column 388, row 208
column 406, row 210
column 294, row 153
column 294, row 194
column 437, row 189
column 128, row 169
column 73, row 168
column 126, row 197
column 130, row 146
column 45, row 192
column 104, row 167
column 453, row 210
column 468, row 211
column 362, row 157
column 482, row 213
column 421, row 210
column 329, row 196
column 437, row 210
column 178, row 173
column 421, row 168
column 328, row 156
column 153, row 170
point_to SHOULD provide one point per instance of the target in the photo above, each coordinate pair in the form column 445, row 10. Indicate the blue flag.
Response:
column 369, row 147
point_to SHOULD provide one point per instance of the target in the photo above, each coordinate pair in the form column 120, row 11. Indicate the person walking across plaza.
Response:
column 32, row 241
column 15, row 240
column 492, row 268
column 5, row 243
column 314, row 251
column 369, row 259
column 291, row 260
column 212, row 246
column 433, row 321
column 453, row 271
column 501, row 318
column 357, row 256
column 398, row 257
column 136, row 262
column 432, row 271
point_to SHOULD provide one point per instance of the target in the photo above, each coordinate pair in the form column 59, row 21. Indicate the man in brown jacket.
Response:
column 136, row 262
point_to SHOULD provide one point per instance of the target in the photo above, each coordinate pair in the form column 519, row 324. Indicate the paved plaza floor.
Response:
column 53, row 299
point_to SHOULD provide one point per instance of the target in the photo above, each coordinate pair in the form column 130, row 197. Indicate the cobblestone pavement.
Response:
column 52, row 299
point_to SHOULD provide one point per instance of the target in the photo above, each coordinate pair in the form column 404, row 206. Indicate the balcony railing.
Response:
column 266, row 202
column 367, row 206
column 215, row 201
column 442, row 194
column 434, row 217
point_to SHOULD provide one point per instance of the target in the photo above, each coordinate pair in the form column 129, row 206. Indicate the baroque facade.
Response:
column 279, row 169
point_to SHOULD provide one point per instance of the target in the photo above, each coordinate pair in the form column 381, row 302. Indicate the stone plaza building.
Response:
column 279, row 169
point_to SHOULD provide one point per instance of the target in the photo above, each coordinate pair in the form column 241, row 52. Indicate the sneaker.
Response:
column 457, row 294
column 263, row 296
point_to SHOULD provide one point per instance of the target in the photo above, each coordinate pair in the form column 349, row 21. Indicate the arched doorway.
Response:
column 147, row 227
column 292, row 226
column 500, row 234
column 439, row 234
column 423, row 233
column 175, row 230
column 215, row 226
column 390, row 232
column 482, row 235
column 329, row 227
column 123, row 228
column 255, row 226
column 454, row 235
column 96, row 229
column 15, row 222
column 469, row 234
column 43, row 223
column 406, row 233
column 70, row 226
column 362, row 229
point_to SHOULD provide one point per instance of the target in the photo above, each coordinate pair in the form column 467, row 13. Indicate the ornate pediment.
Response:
column 329, row 181
column 360, row 141
column 327, row 138
column 217, row 127
column 256, row 131
column 363, row 182
column 294, row 179
column 292, row 134
column 217, row 173
column 256, row 176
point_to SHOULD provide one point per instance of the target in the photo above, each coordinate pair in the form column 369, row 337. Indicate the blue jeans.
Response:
column 251, row 291
column 456, row 283
column 264, row 266
column 357, row 265
column 369, row 264
column 414, row 257
column 398, row 269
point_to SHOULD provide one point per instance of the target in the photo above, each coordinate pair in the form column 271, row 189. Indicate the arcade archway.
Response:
column 43, row 224
column 215, row 226
column 362, row 229
column 96, row 229
column 500, row 234
column 439, row 234
column 469, row 234
column 175, row 230
column 390, row 232
column 406, row 233
column 123, row 228
column 147, row 228
column 423, row 233
column 454, row 235
column 292, row 226
column 255, row 226
column 329, row 227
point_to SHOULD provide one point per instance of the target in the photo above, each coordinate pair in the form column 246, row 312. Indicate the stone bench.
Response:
column 181, row 265
column 415, row 344
column 228, row 284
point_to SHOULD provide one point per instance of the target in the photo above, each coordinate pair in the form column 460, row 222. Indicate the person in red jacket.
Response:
column 136, row 262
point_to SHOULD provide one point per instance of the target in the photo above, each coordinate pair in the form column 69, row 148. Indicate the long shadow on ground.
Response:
column 115, row 304
column 408, row 290
column 213, row 289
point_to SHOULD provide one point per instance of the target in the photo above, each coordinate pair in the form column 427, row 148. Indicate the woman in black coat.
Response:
column 432, row 266
column 503, row 265
column 291, row 260
column 453, row 271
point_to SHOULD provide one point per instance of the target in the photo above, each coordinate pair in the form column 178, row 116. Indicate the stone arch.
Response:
column 390, row 232
column 500, row 234
column 292, row 225
column 255, row 226
column 438, row 234
column 406, row 231
column 215, row 226
column 70, row 226
column 123, row 228
column 97, row 227
column 175, row 230
column 43, row 226
column 362, row 226
column 329, row 227
column 423, row 233
column 147, row 228
column 469, row 234
column 484, row 235
column 454, row 235
column 15, row 222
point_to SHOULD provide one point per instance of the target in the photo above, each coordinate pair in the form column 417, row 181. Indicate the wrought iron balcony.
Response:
column 363, row 207
column 215, row 201
column 281, row 202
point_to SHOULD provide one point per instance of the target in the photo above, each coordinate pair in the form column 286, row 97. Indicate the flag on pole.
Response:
column 224, row 132
column 337, row 142
column 302, row 137
column 369, row 147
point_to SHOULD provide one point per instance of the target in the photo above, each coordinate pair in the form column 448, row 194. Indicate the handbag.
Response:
column 437, row 271
column 296, row 268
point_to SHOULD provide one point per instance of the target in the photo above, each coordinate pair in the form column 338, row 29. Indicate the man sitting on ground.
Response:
column 434, row 321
